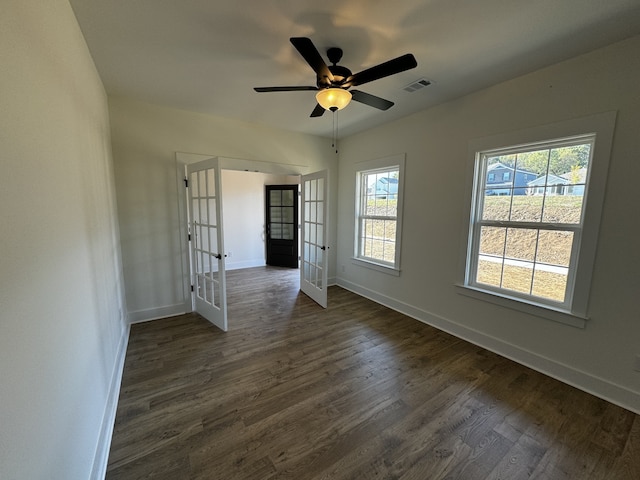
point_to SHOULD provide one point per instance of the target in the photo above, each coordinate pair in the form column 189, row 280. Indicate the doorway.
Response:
column 313, row 228
column 281, row 225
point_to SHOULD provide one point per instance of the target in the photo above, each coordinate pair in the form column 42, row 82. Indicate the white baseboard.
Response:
column 256, row 262
column 99, row 469
column 602, row 388
column 147, row 314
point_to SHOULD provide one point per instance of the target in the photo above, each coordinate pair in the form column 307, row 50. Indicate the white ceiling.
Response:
column 207, row 55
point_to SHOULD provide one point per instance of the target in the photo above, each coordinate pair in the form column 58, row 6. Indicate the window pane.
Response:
column 521, row 244
column 313, row 209
column 554, row 247
column 489, row 271
column 389, row 252
column 306, row 272
column 313, row 192
column 202, row 183
column 211, row 205
column 204, row 212
column 495, row 207
column 517, row 276
column 287, row 214
column 550, row 283
column 211, row 183
column 381, row 207
column 287, row 231
column 195, row 213
column 276, row 214
column 563, row 208
column 377, row 246
column 312, row 232
column 526, row 208
column 367, row 228
column 275, row 197
column 287, row 197
column 492, row 241
column 367, row 247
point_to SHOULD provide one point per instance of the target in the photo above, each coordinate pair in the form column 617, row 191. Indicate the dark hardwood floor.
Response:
column 356, row 391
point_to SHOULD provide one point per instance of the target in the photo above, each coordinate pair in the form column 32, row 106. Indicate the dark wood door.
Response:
column 282, row 225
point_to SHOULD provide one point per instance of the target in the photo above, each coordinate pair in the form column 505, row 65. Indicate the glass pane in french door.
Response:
column 205, row 236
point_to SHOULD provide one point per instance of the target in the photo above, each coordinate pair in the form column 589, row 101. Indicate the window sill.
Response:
column 549, row 313
column 389, row 270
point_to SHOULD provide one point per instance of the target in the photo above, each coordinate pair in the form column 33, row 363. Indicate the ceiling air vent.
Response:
column 417, row 85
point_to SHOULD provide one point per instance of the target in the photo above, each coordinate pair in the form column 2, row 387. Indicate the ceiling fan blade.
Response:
column 318, row 111
column 284, row 89
column 310, row 53
column 371, row 100
column 391, row 67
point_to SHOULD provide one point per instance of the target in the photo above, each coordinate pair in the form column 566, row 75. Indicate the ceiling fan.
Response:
column 333, row 82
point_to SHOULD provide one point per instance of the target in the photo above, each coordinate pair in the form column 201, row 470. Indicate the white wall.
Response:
column 244, row 215
column 62, row 336
column 145, row 141
column 598, row 358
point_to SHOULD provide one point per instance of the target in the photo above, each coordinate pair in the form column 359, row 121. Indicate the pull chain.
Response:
column 335, row 130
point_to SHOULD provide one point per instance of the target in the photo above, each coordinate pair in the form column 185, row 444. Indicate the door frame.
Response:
column 182, row 159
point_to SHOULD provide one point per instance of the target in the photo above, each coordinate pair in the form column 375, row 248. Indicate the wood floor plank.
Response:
column 356, row 391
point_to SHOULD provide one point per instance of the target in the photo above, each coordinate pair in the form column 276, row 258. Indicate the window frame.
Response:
column 368, row 167
column 574, row 311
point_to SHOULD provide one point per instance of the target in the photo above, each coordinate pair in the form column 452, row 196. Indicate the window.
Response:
column 378, row 207
column 532, row 247
column 505, row 177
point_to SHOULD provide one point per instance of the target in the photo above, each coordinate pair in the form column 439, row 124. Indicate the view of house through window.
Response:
column 378, row 215
column 527, row 220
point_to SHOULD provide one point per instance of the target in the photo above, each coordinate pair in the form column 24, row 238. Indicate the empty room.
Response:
column 319, row 240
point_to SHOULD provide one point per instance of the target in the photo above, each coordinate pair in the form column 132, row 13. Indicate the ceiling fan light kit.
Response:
column 333, row 98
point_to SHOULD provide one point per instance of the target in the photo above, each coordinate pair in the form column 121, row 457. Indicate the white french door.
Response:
column 314, row 256
column 207, row 249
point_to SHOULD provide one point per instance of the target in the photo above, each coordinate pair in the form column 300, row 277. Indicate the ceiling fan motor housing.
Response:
column 340, row 74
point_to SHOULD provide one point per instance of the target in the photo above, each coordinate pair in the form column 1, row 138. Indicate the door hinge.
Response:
column 186, row 182
column 192, row 288
column 189, row 236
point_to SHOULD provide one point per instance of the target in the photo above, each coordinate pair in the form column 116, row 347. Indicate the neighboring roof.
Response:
column 497, row 165
column 553, row 180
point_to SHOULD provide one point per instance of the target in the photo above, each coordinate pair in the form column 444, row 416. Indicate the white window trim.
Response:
column 385, row 163
column 602, row 125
